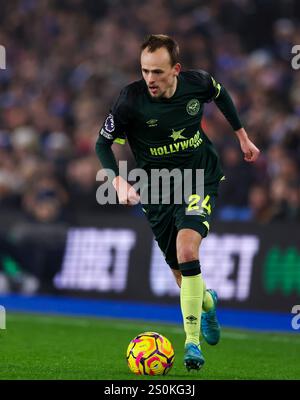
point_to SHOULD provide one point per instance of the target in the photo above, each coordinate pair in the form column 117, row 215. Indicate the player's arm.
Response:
column 224, row 102
column 112, row 131
column 126, row 193
column 251, row 152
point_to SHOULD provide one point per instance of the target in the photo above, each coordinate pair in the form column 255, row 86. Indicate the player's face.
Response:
column 160, row 76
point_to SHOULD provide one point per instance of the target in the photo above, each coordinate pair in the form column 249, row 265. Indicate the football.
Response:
column 150, row 353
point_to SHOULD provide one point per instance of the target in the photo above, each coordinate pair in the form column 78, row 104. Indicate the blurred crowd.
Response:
column 68, row 59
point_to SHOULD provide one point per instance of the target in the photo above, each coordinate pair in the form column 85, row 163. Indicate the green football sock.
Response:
column 191, row 297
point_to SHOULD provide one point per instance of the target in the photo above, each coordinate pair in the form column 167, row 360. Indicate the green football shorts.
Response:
column 167, row 219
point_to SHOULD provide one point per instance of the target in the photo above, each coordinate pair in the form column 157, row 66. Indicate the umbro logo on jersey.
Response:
column 152, row 123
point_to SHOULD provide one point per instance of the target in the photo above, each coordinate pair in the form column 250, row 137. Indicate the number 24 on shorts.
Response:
column 194, row 201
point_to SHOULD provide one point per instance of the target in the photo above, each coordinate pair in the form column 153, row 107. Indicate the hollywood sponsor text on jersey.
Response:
column 195, row 142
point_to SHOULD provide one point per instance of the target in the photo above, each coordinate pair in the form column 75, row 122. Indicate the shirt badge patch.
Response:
column 193, row 107
column 109, row 124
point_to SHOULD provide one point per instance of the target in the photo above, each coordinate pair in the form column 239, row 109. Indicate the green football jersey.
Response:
column 166, row 132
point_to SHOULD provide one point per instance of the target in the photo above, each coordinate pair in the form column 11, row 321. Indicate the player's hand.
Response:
column 126, row 193
column 251, row 152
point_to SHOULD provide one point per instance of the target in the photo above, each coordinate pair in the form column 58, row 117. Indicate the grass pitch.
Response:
column 55, row 347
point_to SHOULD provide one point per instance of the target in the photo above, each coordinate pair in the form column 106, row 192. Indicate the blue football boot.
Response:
column 210, row 327
column 193, row 357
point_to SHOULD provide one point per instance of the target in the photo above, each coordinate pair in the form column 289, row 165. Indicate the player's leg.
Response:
column 191, row 294
column 177, row 276
column 166, row 235
column 210, row 327
column 208, row 302
column 199, row 220
column 208, row 299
